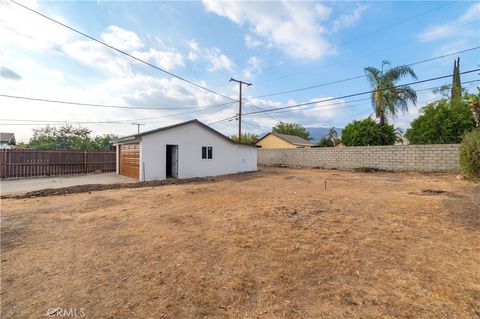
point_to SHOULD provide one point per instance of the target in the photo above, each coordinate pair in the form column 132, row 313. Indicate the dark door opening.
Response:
column 172, row 161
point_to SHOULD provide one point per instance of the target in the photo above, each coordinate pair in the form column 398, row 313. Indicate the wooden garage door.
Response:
column 130, row 160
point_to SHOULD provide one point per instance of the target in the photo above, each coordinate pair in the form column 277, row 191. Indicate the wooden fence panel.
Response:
column 28, row 163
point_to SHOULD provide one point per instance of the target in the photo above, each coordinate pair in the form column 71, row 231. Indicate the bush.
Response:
column 441, row 123
column 367, row 132
column 325, row 142
column 470, row 154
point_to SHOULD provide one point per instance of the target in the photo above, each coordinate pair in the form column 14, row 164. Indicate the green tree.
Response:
column 330, row 140
column 388, row 98
column 441, row 122
column 368, row 132
column 44, row 138
column 247, row 138
column 456, row 95
column 291, row 129
column 325, row 142
column 105, row 142
column 473, row 101
column 69, row 138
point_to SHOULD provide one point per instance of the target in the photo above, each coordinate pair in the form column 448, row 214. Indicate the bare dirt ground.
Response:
column 273, row 244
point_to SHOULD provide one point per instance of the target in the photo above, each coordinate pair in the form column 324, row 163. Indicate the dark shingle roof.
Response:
column 292, row 139
column 7, row 138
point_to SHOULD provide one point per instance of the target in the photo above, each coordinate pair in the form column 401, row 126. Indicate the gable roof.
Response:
column 292, row 139
column 8, row 138
column 136, row 136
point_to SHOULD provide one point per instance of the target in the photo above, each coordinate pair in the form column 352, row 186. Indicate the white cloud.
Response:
column 292, row 26
column 218, row 60
column 122, row 39
column 252, row 42
column 348, row 20
column 215, row 59
column 98, row 56
column 193, row 45
column 453, row 27
column 194, row 48
column 472, row 13
column 165, row 59
column 24, row 29
column 253, row 67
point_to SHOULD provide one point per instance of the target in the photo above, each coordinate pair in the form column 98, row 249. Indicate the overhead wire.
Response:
column 357, row 94
column 312, row 69
column 121, row 51
column 357, row 100
column 109, row 106
column 350, row 95
column 388, row 26
column 360, row 76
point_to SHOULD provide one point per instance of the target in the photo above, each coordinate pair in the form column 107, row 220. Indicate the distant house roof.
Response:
column 7, row 138
column 292, row 139
column 136, row 136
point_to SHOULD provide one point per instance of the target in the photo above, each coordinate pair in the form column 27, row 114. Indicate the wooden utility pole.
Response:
column 138, row 126
column 240, row 83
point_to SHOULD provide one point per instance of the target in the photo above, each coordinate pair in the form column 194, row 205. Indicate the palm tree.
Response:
column 387, row 97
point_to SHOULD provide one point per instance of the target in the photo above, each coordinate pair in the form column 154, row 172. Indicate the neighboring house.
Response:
column 184, row 150
column 7, row 140
column 276, row 140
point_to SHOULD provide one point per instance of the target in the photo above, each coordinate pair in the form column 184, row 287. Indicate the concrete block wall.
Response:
column 420, row 158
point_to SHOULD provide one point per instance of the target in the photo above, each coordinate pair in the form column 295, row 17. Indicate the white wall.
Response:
column 227, row 158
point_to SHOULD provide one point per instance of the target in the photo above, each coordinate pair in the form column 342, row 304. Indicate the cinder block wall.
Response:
column 421, row 158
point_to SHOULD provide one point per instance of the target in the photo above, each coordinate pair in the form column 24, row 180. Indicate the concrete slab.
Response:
column 33, row 184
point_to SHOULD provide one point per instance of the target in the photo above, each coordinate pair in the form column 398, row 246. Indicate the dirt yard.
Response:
column 272, row 244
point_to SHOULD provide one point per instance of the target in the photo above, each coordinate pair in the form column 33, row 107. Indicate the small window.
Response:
column 207, row 152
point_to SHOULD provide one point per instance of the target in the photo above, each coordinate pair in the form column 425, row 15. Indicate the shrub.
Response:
column 470, row 154
column 441, row 123
column 367, row 132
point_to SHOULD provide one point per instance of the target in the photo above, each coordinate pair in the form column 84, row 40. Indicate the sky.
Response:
column 277, row 46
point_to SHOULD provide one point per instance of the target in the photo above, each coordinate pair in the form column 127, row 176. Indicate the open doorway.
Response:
column 172, row 161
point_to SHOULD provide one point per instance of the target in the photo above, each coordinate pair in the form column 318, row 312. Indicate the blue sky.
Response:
column 277, row 46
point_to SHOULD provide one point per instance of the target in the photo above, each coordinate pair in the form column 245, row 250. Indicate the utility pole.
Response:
column 138, row 126
column 240, row 84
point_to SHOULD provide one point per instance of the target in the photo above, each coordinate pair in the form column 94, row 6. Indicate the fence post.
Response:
column 5, row 163
column 85, row 166
column 49, row 171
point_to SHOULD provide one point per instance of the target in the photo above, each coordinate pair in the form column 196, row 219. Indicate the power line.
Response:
column 99, row 122
column 387, row 27
column 357, row 100
column 110, row 106
column 240, row 86
column 356, row 94
column 395, row 24
column 360, row 76
column 374, row 52
column 121, row 51
column 231, row 118
column 264, row 111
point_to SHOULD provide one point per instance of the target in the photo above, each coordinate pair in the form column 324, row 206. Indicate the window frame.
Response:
column 207, row 152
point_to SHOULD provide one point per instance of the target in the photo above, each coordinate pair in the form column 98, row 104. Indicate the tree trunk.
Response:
column 382, row 128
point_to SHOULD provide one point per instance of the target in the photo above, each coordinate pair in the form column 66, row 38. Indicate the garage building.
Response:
column 184, row 150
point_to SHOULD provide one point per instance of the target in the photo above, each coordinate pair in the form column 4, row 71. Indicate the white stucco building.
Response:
column 184, row 150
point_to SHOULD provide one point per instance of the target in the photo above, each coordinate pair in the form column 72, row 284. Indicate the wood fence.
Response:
column 16, row 163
